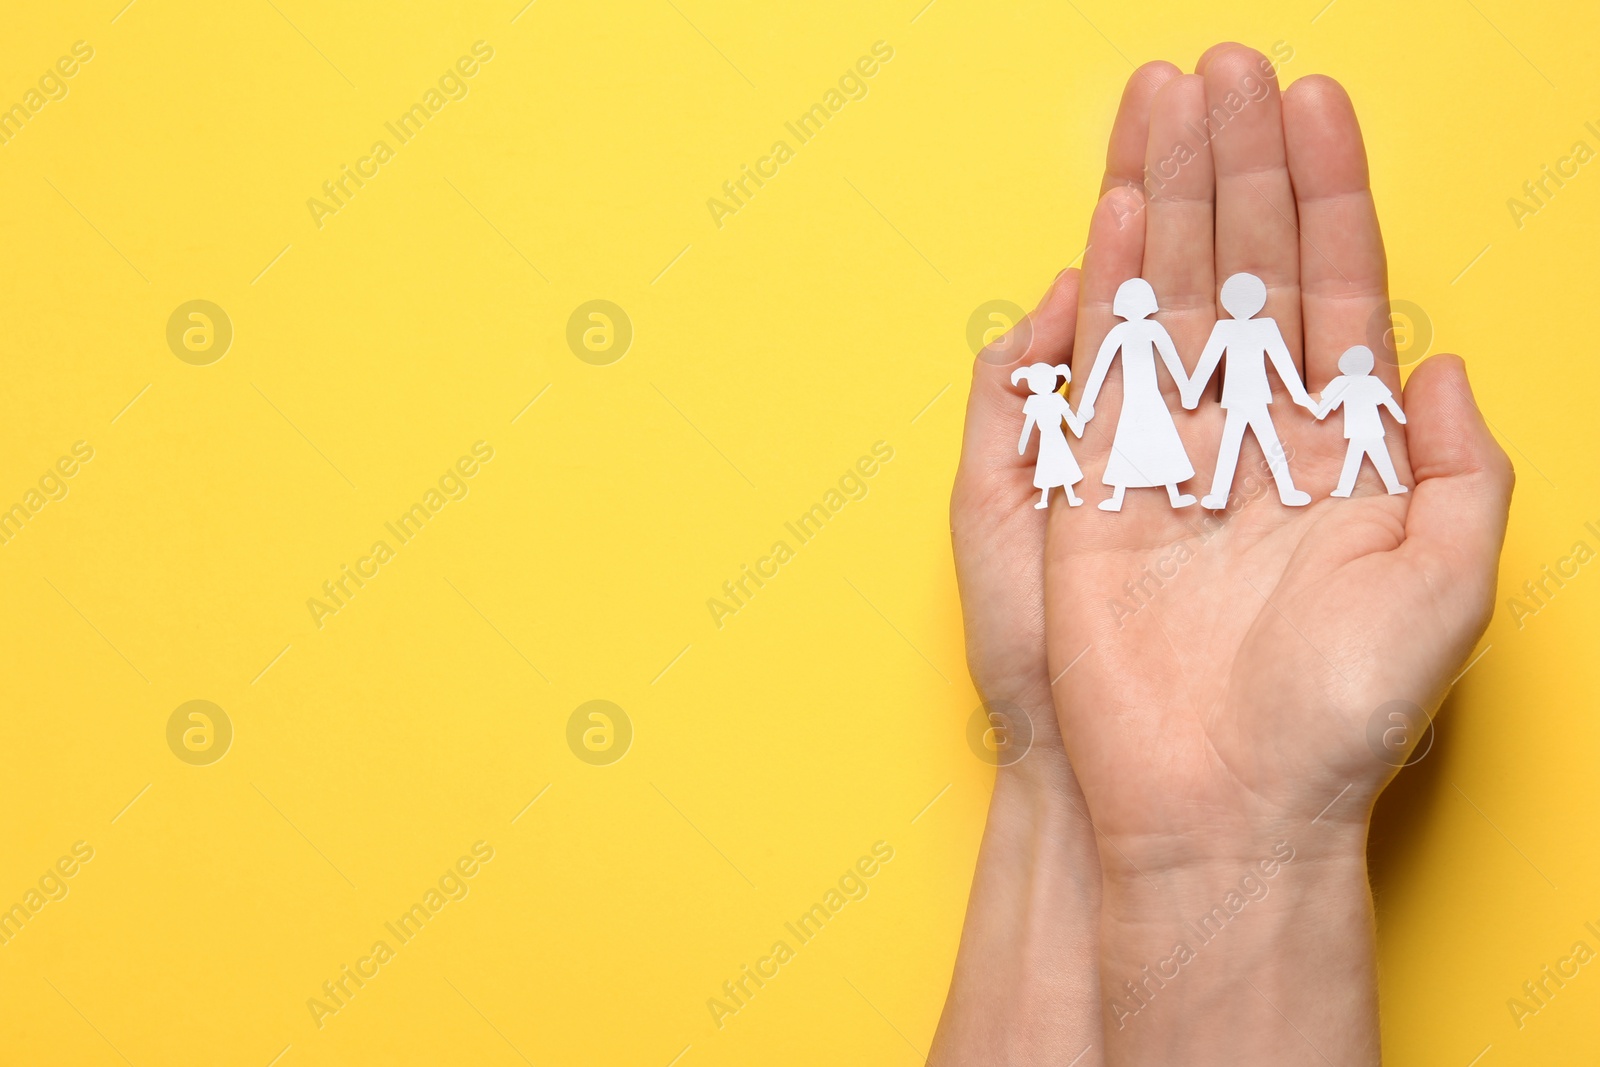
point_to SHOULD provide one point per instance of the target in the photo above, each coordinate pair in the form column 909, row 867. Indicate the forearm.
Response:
column 1024, row 990
column 1262, row 952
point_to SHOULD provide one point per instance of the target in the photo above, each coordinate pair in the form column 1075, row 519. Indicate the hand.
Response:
column 1025, row 989
column 1025, row 975
column 1223, row 708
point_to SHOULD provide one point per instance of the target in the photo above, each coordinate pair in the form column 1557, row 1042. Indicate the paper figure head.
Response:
column 1243, row 295
column 1041, row 377
column 1135, row 299
column 1356, row 361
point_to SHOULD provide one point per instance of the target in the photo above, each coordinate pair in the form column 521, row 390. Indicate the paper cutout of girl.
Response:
column 1046, row 409
column 1146, row 450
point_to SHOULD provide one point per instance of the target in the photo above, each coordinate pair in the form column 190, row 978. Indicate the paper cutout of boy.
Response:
column 1249, row 342
column 1363, row 394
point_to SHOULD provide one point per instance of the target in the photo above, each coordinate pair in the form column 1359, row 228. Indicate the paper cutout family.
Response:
column 1146, row 450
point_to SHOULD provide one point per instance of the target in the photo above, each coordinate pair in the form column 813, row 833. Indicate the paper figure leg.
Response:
column 1227, row 460
column 1380, row 459
column 1352, row 467
column 1267, row 435
column 1114, row 501
column 1375, row 448
column 1044, row 498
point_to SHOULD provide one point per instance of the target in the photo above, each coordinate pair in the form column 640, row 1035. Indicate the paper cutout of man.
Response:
column 1249, row 342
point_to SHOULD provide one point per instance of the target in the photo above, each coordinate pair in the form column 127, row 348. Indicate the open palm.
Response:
column 1215, row 672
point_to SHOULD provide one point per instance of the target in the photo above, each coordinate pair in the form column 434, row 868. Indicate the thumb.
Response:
column 1457, row 519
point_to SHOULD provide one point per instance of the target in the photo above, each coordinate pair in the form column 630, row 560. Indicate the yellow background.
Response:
column 768, row 355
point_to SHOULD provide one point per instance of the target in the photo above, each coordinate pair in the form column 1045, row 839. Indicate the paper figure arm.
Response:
column 1394, row 407
column 1206, row 367
column 1169, row 356
column 1027, row 430
column 1074, row 422
column 1332, row 397
column 1097, row 376
column 1284, row 362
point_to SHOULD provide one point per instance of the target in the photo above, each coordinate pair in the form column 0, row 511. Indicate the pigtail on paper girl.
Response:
column 1021, row 373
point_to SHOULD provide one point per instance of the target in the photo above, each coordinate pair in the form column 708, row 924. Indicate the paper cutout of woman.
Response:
column 1146, row 450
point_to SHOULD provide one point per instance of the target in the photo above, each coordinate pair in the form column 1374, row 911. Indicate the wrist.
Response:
column 1015, row 731
column 1273, row 875
column 1227, row 847
column 1025, row 987
column 1271, row 938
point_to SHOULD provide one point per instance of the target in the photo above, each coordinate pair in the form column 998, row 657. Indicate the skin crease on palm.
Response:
column 1228, row 715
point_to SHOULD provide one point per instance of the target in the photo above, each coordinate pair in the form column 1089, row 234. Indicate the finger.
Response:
column 994, row 405
column 1180, row 188
column 1256, row 224
column 1125, row 150
column 996, row 534
column 1457, row 519
column 1343, row 274
column 1205, row 57
column 1115, row 254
